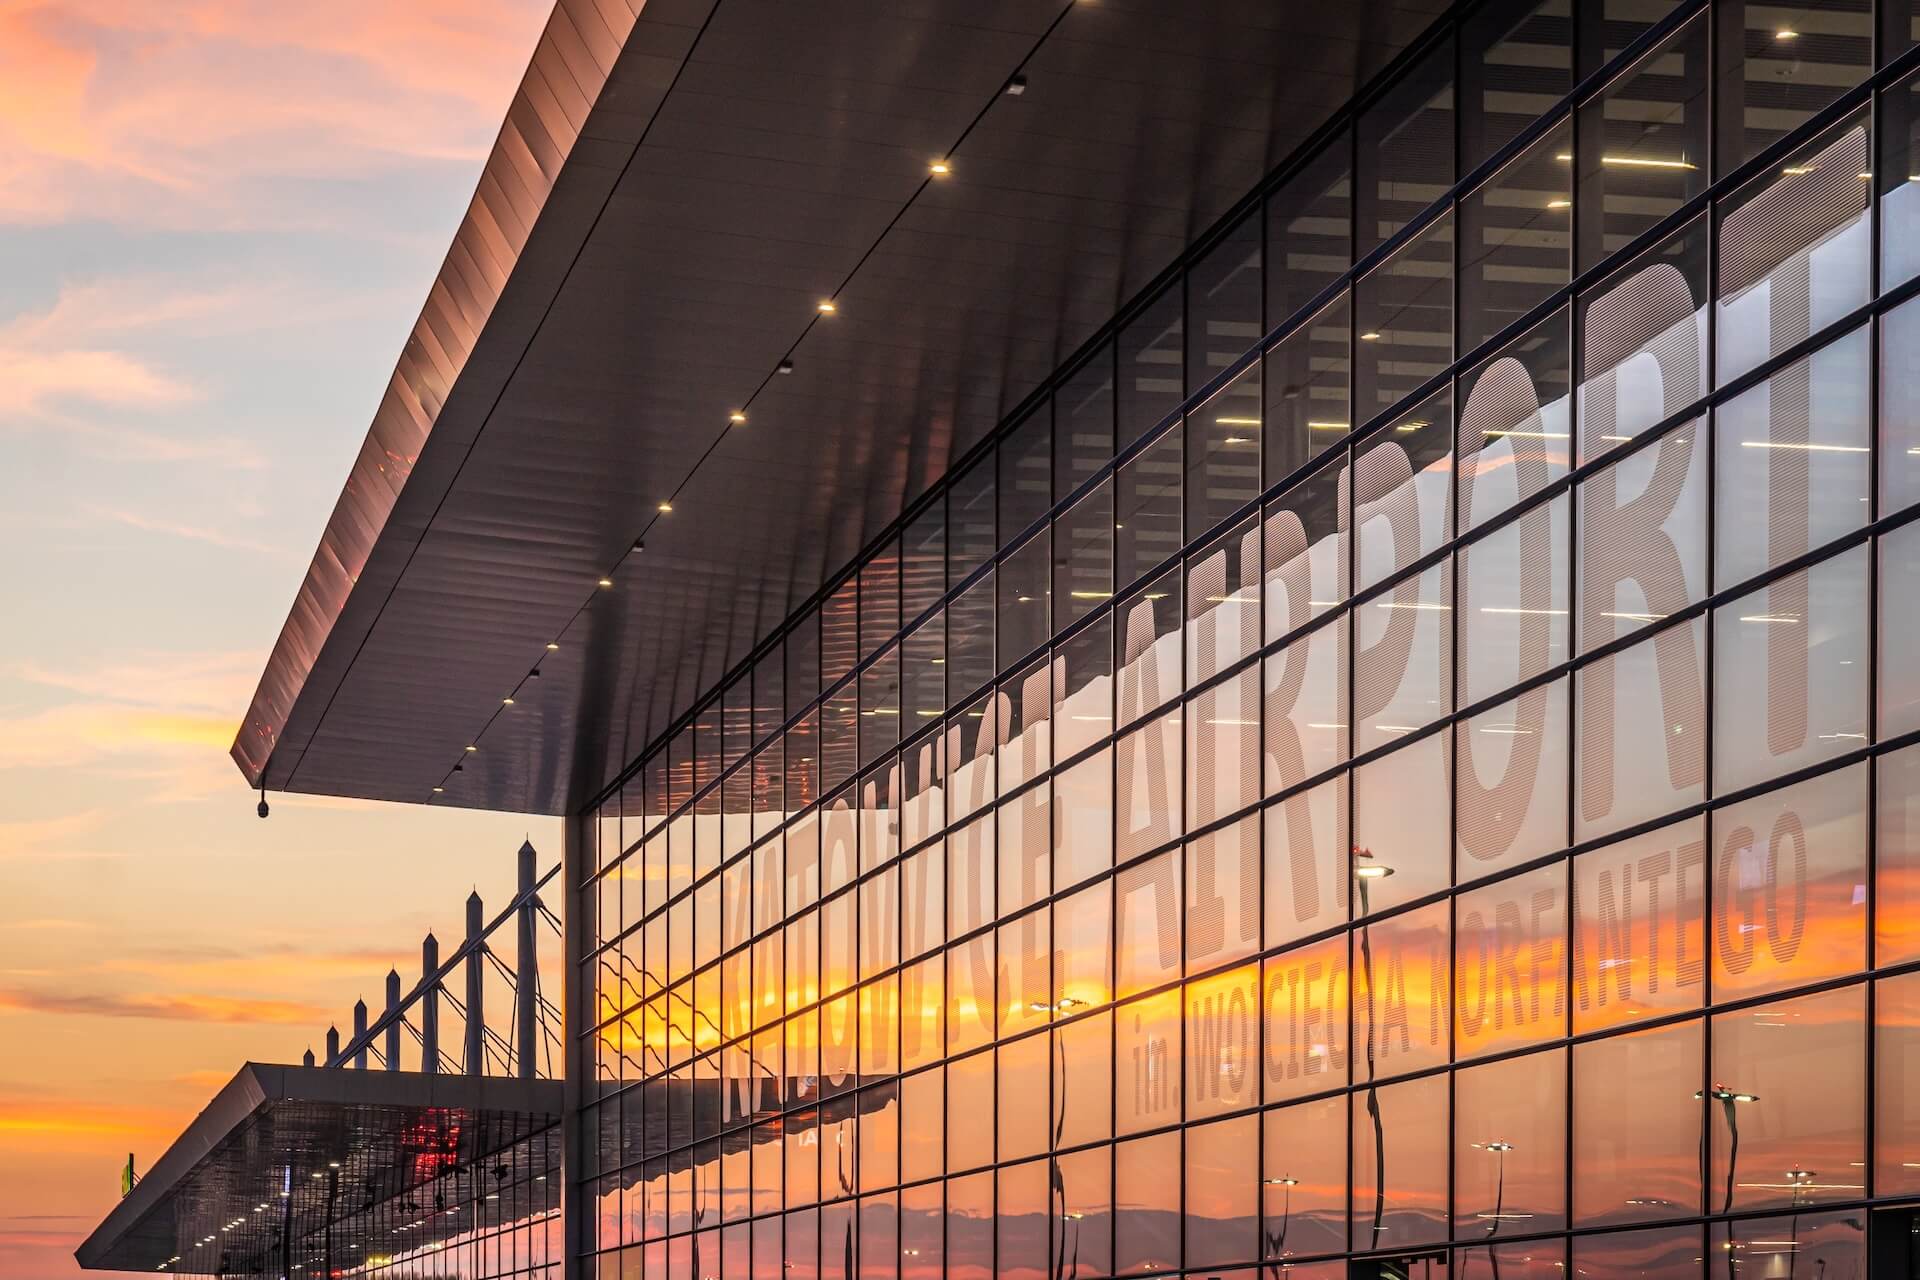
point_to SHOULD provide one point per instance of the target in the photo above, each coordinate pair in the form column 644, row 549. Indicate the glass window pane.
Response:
column 1899, row 165
column 1152, row 361
column 1147, row 930
column 1146, row 515
column 1824, row 1244
column 1223, row 601
column 923, row 562
column 1083, row 820
column 1026, row 590
column 1223, row 1044
column 1779, row 64
column 1222, row 1200
column 1636, row 1126
column 1642, row 145
column 1401, row 846
column 1307, row 872
column 1401, row 983
column 1642, row 534
column 970, row 627
column 1303, row 1197
column 1309, row 230
column 1790, row 672
column 1306, row 550
column 1789, row 886
column 1514, row 602
column 1896, row 1083
column 1083, row 423
column 1305, row 707
column 1306, row 1019
column 1083, row 1084
column 1147, row 1056
column 1223, row 896
column 1666, row 1253
column 1308, row 405
column 1147, row 787
column 1787, row 1104
column 923, row 674
column 1083, row 688
column 1510, row 1147
column 1795, row 250
column 1083, row 948
column 1789, row 477
column 1223, row 453
column 1224, row 304
column 1517, row 238
column 1899, row 443
column 1406, row 149
column 1146, row 1200
column 1517, row 63
column 971, row 539
column 1403, row 658
column 1083, row 539
column 1896, row 856
column 1510, row 962
column 1641, row 332
column 1515, row 421
column 1404, row 321
column 1640, row 732
column 1511, row 801
column 1403, row 491
column 1223, row 749
column 1025, row 474
column 1400, row 1163
column 1639, row 941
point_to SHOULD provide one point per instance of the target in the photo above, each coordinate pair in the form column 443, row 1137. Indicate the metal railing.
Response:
column 530, row 1046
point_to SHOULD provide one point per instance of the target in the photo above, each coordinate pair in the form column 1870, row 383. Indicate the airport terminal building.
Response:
column 1217, row 638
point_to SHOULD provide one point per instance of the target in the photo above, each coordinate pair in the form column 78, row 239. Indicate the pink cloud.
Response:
column 170, row 113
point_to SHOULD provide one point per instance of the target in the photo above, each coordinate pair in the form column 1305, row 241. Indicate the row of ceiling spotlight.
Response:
column 940, row 168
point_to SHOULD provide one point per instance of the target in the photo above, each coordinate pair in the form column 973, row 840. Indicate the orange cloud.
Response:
column 72, row 1117
column 82, row 732
column 174, row 1008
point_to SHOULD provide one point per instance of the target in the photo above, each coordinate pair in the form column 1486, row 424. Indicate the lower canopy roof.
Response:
column 282, row 1152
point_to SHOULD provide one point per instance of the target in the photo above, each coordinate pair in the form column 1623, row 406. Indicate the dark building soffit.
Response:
column 640, row 255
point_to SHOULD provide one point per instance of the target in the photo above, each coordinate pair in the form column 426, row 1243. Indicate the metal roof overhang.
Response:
column 672, row 193
column 273, row 1127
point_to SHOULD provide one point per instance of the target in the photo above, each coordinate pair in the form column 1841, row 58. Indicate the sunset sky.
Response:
column 218, row 219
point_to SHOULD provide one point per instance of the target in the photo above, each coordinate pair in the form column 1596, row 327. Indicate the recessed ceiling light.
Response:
column 737, row 418
column 666, row 507
column 506, row 702
column 1786, row 33
column 553, row 646
column 827, row 306
column 785, row 366
column 1370, row 336
column 940, row 168
column 605, row 583
column 1016, row 86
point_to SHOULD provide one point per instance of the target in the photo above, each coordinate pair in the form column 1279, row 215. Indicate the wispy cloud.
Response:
column 172, row 1008
column 191, row 532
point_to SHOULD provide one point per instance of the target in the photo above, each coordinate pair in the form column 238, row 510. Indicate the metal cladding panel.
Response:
column 760, row 156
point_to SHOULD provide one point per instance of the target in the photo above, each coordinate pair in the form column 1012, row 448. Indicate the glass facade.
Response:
column 1403, row 751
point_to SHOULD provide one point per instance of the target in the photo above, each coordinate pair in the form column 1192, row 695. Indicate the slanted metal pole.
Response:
column 360, row 1034
column 393, row 1019
column 430, row 1005
column 476, row 991
column 526, row 973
